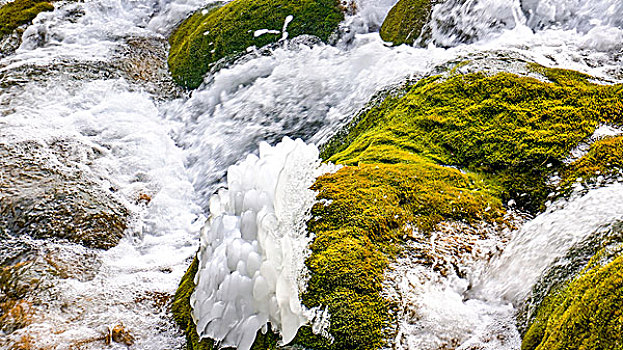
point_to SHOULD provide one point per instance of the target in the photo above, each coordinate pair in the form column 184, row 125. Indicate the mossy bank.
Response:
column 439, row 150
column 218, row 32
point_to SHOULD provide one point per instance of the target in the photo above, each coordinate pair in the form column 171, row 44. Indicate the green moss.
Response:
column 435, row 151
column 514, row 130
column 18, row 12
column 405, row 21
column 182, row 312
column 361, row 229
column 585, row 314
column 210, row 35
column 604, row 158
column 507, row 133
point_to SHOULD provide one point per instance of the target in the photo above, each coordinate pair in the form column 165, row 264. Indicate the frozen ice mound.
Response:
column 253, row 247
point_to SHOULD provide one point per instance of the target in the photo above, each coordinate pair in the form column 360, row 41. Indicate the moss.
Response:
column 182, row 312
column 210, row 35
column 433, row 152
column 585, row 314
column 404, row 22
column 19, row 12
column 604, row 159
column 402, row 154
column 514, row 130
column 360, row 230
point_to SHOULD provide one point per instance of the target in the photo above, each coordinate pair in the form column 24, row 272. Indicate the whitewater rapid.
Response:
column 74, row 77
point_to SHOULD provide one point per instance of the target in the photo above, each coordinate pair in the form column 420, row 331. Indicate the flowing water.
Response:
column 86, row 97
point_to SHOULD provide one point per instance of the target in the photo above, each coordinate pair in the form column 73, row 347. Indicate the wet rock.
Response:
column 10, row 42
column 45, row 194
column 27, row 287
column 15, row 314
column 119, row 334
column 143, row 60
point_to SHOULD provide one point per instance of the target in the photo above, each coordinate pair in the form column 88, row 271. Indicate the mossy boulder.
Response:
column 440, row 151
column 405, row 21
column 19, row 12
column 514, row 130
column 507, row 134
column 373, row 209
column 585, row 313
column 212, row 34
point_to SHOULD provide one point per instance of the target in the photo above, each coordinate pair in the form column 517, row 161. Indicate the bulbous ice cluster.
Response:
column 253, row 248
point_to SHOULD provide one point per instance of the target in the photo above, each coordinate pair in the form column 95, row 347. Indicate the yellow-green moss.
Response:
column 182, row 312
column 405, row 21
column 359, row 230
column 439, row 150
column 514, row 130
column 604, row 158
column 212, row 34
column 18, row 12
column 585, row 314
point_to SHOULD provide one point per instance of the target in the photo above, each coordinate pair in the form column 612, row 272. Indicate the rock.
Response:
column 120, row 335
column 468, row 121
column 218, row 33
column 405, row 21
column 602, row 164
column 28, row 286
column 583, row 313
column 46, row 195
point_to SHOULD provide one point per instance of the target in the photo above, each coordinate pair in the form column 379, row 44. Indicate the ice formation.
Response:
column 253, row 248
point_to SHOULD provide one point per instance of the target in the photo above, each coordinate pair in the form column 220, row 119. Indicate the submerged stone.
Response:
column 45, row 195
column 212, row 34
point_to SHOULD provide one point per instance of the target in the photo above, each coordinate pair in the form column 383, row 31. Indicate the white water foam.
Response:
column 548, row 237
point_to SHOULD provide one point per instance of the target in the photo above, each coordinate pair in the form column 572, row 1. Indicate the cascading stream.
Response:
column 92, row 75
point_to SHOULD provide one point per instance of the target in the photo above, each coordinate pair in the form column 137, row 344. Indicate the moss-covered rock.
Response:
column 507, row 133
column 439, row 151
column 514, row 130
column 602, row 163
column 586, row 313
column 212, row 34
column 405, row 21
column 19, row 12
column 371, row 209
